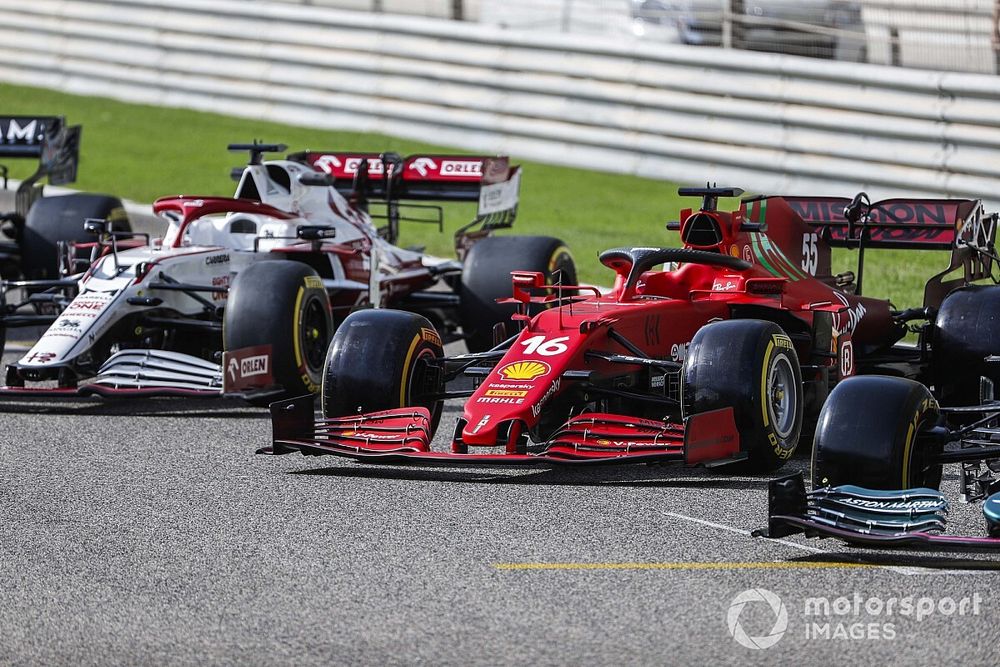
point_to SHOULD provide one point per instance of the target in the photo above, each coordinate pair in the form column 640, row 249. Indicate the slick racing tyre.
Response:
column 54, row 219
column 282, row 304
column 868, row 435
column 966, row 331
column 486, row 278
column 750, row 366
column 377, row 361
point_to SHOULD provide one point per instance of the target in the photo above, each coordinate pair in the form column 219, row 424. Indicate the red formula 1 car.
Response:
column 726, row 356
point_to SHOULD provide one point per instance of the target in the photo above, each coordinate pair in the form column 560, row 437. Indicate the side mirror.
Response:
column 95, row 226
column 316, row 178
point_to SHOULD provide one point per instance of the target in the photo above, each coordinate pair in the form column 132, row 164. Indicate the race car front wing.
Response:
column 404, row 436
column 909, row 519
column 149, row 373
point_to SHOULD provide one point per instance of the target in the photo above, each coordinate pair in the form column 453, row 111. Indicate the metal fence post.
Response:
column 738, row 16
column 727, row 24
column 567, row 15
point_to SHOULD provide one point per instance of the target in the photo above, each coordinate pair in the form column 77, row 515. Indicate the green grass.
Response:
column 142, row 152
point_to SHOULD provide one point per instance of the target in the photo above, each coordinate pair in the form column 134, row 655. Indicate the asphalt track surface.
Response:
column 149, row 533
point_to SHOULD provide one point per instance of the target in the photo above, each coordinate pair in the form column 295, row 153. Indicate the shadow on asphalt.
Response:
column 215, row 408
column 908, row 559
column 661, row 476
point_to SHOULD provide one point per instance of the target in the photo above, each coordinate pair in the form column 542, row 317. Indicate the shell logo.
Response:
column 524, row 370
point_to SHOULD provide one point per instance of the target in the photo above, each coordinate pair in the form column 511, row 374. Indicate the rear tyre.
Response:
column 750, row 366
column 282, row 304
column 867, row 435
column 967, row 330
column 376, row 361
column 486, row 278
column 54, row 219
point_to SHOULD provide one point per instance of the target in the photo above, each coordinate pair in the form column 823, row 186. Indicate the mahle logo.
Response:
column 757, row 596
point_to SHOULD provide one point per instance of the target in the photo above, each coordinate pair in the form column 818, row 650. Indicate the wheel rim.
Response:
column 781, row 396
column 315, row 335
column 415, row 377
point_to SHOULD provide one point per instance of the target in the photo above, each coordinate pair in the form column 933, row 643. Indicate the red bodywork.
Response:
column 787, row 278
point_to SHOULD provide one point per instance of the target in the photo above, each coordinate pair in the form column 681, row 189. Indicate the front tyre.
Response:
column 486, row 278
column 378, row 361
column 868, row 435
column 750, row 366
column 282, row 304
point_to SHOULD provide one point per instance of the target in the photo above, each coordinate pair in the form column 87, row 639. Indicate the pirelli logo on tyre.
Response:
column 314, row 282
column 430, row 336
column 929, row 404
column 780, row 340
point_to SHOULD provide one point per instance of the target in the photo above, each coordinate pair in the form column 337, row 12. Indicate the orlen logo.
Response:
column 524, row 370
column 423, row 166
column 461, row 167
column 254, row 366
column 331, row 163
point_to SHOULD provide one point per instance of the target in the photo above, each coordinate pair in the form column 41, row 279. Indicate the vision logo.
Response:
column 757, row 596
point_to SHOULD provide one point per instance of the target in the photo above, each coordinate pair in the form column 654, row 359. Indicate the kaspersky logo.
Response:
column 524, row 370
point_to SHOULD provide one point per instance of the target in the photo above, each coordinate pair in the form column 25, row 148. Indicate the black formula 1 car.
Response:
column 30, row 235
column 878, row 455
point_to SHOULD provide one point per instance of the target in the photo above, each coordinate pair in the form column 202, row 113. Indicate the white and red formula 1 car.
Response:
column 242, row 295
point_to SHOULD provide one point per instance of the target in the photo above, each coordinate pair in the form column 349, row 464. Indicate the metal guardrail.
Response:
column 956, row 35
column 458, row 10
column 767, row 122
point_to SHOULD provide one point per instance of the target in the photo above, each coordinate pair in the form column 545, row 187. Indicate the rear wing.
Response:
column 390, row 178
column 48, row 138
column 956, row 225
column 928, row 224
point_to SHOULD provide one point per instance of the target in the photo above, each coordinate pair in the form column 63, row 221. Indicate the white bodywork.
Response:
column 211, row 251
